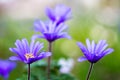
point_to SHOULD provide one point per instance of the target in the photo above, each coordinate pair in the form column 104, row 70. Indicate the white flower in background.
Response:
column 66, row 65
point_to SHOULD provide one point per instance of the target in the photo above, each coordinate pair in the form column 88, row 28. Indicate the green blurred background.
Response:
column 93, row 19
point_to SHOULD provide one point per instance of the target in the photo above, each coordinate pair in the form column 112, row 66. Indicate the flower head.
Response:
column 6, row 67
column 94, row 52
column 28, row 53
column 59, row 14
column 50, row 31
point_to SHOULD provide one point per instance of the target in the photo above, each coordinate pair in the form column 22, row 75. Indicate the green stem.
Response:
column 28, row 71
column 89, row 71
column 49, row 60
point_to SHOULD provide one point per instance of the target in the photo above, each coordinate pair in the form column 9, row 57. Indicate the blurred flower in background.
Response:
column 6, row 67
column 60, row 14
column 66, row 65
column 50, row 31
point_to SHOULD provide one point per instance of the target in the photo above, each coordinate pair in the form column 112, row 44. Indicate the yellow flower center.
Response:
column 29, row 55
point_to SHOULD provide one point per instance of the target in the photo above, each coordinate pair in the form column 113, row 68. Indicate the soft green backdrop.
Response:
column 94, row 20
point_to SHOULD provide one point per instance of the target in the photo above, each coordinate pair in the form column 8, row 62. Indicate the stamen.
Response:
column 29, row 55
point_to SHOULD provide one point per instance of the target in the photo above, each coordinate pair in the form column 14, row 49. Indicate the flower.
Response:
column 59, row 14
column 50, row 31
column 66, row 65
column 6, row 67
column 28, row 53
column 94, row 52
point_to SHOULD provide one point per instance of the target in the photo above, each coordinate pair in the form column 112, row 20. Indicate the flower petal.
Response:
column 83, row 48
column 51, row 27
column 14, row 58
column 25, row 45
column 88, row 45
column 103, row 48
column 81, row 59
column 99, row 56
column 50, row 13
column 61, row 27
column 44, row 55
column 93, row 47
column 100, row 45
column 19, row 46
column 15, row 50
column 108, row 51
column 63, row 35
column 36, row 36
column 38, row 46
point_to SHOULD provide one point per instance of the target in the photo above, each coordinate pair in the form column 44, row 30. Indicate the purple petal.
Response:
column 15, row 50
column 25, row 45
column 103, row 48
column 108, row 51
column 15, row 58
column 19, row 46
column 50, row 14
column 99, row 56
column 40, row 26
column 93, row 47
column 61, row 10
column 44, row 55
column 83, row 48
column 88, row 45
column 37, row 48
column 81, row 59
column 32, row 45
column 61, row 27
column 100, row 45
column 68, row 14
column 63, row 35
column 36, row 36
column 51, row 27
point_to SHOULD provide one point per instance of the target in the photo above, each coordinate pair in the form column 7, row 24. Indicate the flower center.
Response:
column 29, row 55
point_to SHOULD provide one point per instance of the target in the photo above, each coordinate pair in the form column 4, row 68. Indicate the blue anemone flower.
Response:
column 28, row 53
column 59, row 14
column 94, row 52
column 50, row 31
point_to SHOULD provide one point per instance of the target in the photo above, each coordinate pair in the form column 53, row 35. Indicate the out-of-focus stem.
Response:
column 49, row 60
column 89, row 71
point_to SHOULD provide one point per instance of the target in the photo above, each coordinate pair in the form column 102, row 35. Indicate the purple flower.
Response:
column 94, row 52
column 6, row 67
column 28, row 53
column 60, row 14
column 50, row 31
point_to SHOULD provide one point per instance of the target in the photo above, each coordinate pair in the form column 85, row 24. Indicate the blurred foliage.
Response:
column 38, row 72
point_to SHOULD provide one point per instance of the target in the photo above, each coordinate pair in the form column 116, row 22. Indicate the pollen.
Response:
column 29, row 55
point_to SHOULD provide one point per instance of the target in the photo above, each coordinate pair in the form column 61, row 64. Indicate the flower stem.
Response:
column 49, row 60
column 89, row 72
column 28, row 71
